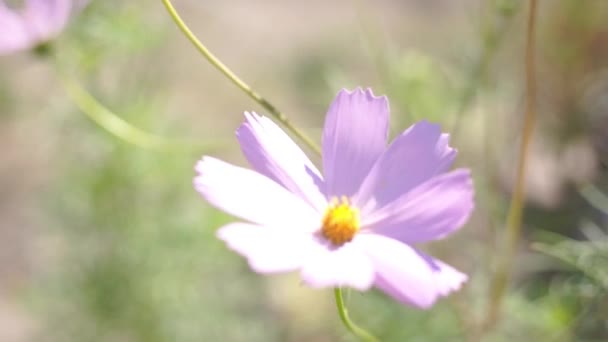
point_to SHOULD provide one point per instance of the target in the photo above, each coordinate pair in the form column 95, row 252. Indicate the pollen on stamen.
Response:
column 340, row 222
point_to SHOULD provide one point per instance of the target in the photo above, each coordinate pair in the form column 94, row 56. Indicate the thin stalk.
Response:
column 352, row 327
column 112, row 123
column 514, row 219
column 211, row 58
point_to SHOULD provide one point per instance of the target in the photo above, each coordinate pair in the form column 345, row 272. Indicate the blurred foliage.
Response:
column 140, row 267
column 590, row 257
column 107, row 29
column 137, row 258
column 580, row 291
column 425, row 90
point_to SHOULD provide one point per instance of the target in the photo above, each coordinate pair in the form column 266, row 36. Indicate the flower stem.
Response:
column 359, row 332
column 112, row 123
column 514, row 219
column 352, row 327
column 235, row 79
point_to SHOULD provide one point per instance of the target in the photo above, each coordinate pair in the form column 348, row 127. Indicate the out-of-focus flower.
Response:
column 356, row 225
column 36, row 23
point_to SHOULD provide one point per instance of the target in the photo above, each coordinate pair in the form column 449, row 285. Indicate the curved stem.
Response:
column 235, row 79
column 112, row 122
column 359, row 332
column 352, row 327
column 514, row 219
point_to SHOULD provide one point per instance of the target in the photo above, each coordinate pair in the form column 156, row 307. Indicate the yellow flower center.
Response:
column 341, row 221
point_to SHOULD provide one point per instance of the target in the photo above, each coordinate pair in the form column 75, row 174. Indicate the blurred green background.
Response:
column 101, row 240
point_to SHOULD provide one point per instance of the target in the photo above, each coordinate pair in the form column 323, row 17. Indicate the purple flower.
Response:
column 36, row 23
column 355, row 225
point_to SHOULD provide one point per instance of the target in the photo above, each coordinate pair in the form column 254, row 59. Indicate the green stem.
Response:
column 359, row 332
column 235, row 79
column 112, row 123
column 500, row 280
column 352, row 327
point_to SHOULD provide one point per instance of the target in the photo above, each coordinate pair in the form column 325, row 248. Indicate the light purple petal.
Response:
column 268, row 250
column 447, row 278
column 38, row 21
column 346, row 266
column 14, row 36
column 46, row 18
column 252, row 196
column 354, row 136
column 430, row 211
column 400, row 271
column 415, row 156
column 272, row 153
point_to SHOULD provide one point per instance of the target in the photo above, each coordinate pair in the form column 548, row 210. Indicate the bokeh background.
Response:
column 102, row 240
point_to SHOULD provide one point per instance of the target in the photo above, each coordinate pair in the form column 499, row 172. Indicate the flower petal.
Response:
column 354, row 136
column 252, row 196
column 400, row 271
column 346, row 266
column 272, row 153
column 46, row 18
column 268, row 250
column 447, row 278
column 417, row 155
column 430, row 211
column 14, row 36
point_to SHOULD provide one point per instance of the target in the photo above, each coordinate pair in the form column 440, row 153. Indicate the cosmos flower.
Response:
column 356, row 224
column 36, row 23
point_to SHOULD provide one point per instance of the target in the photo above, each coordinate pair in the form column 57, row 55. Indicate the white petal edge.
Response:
column 345, row 266
column 447, row 278
column 400, row 271
column 268, row 250
column 251, row 196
